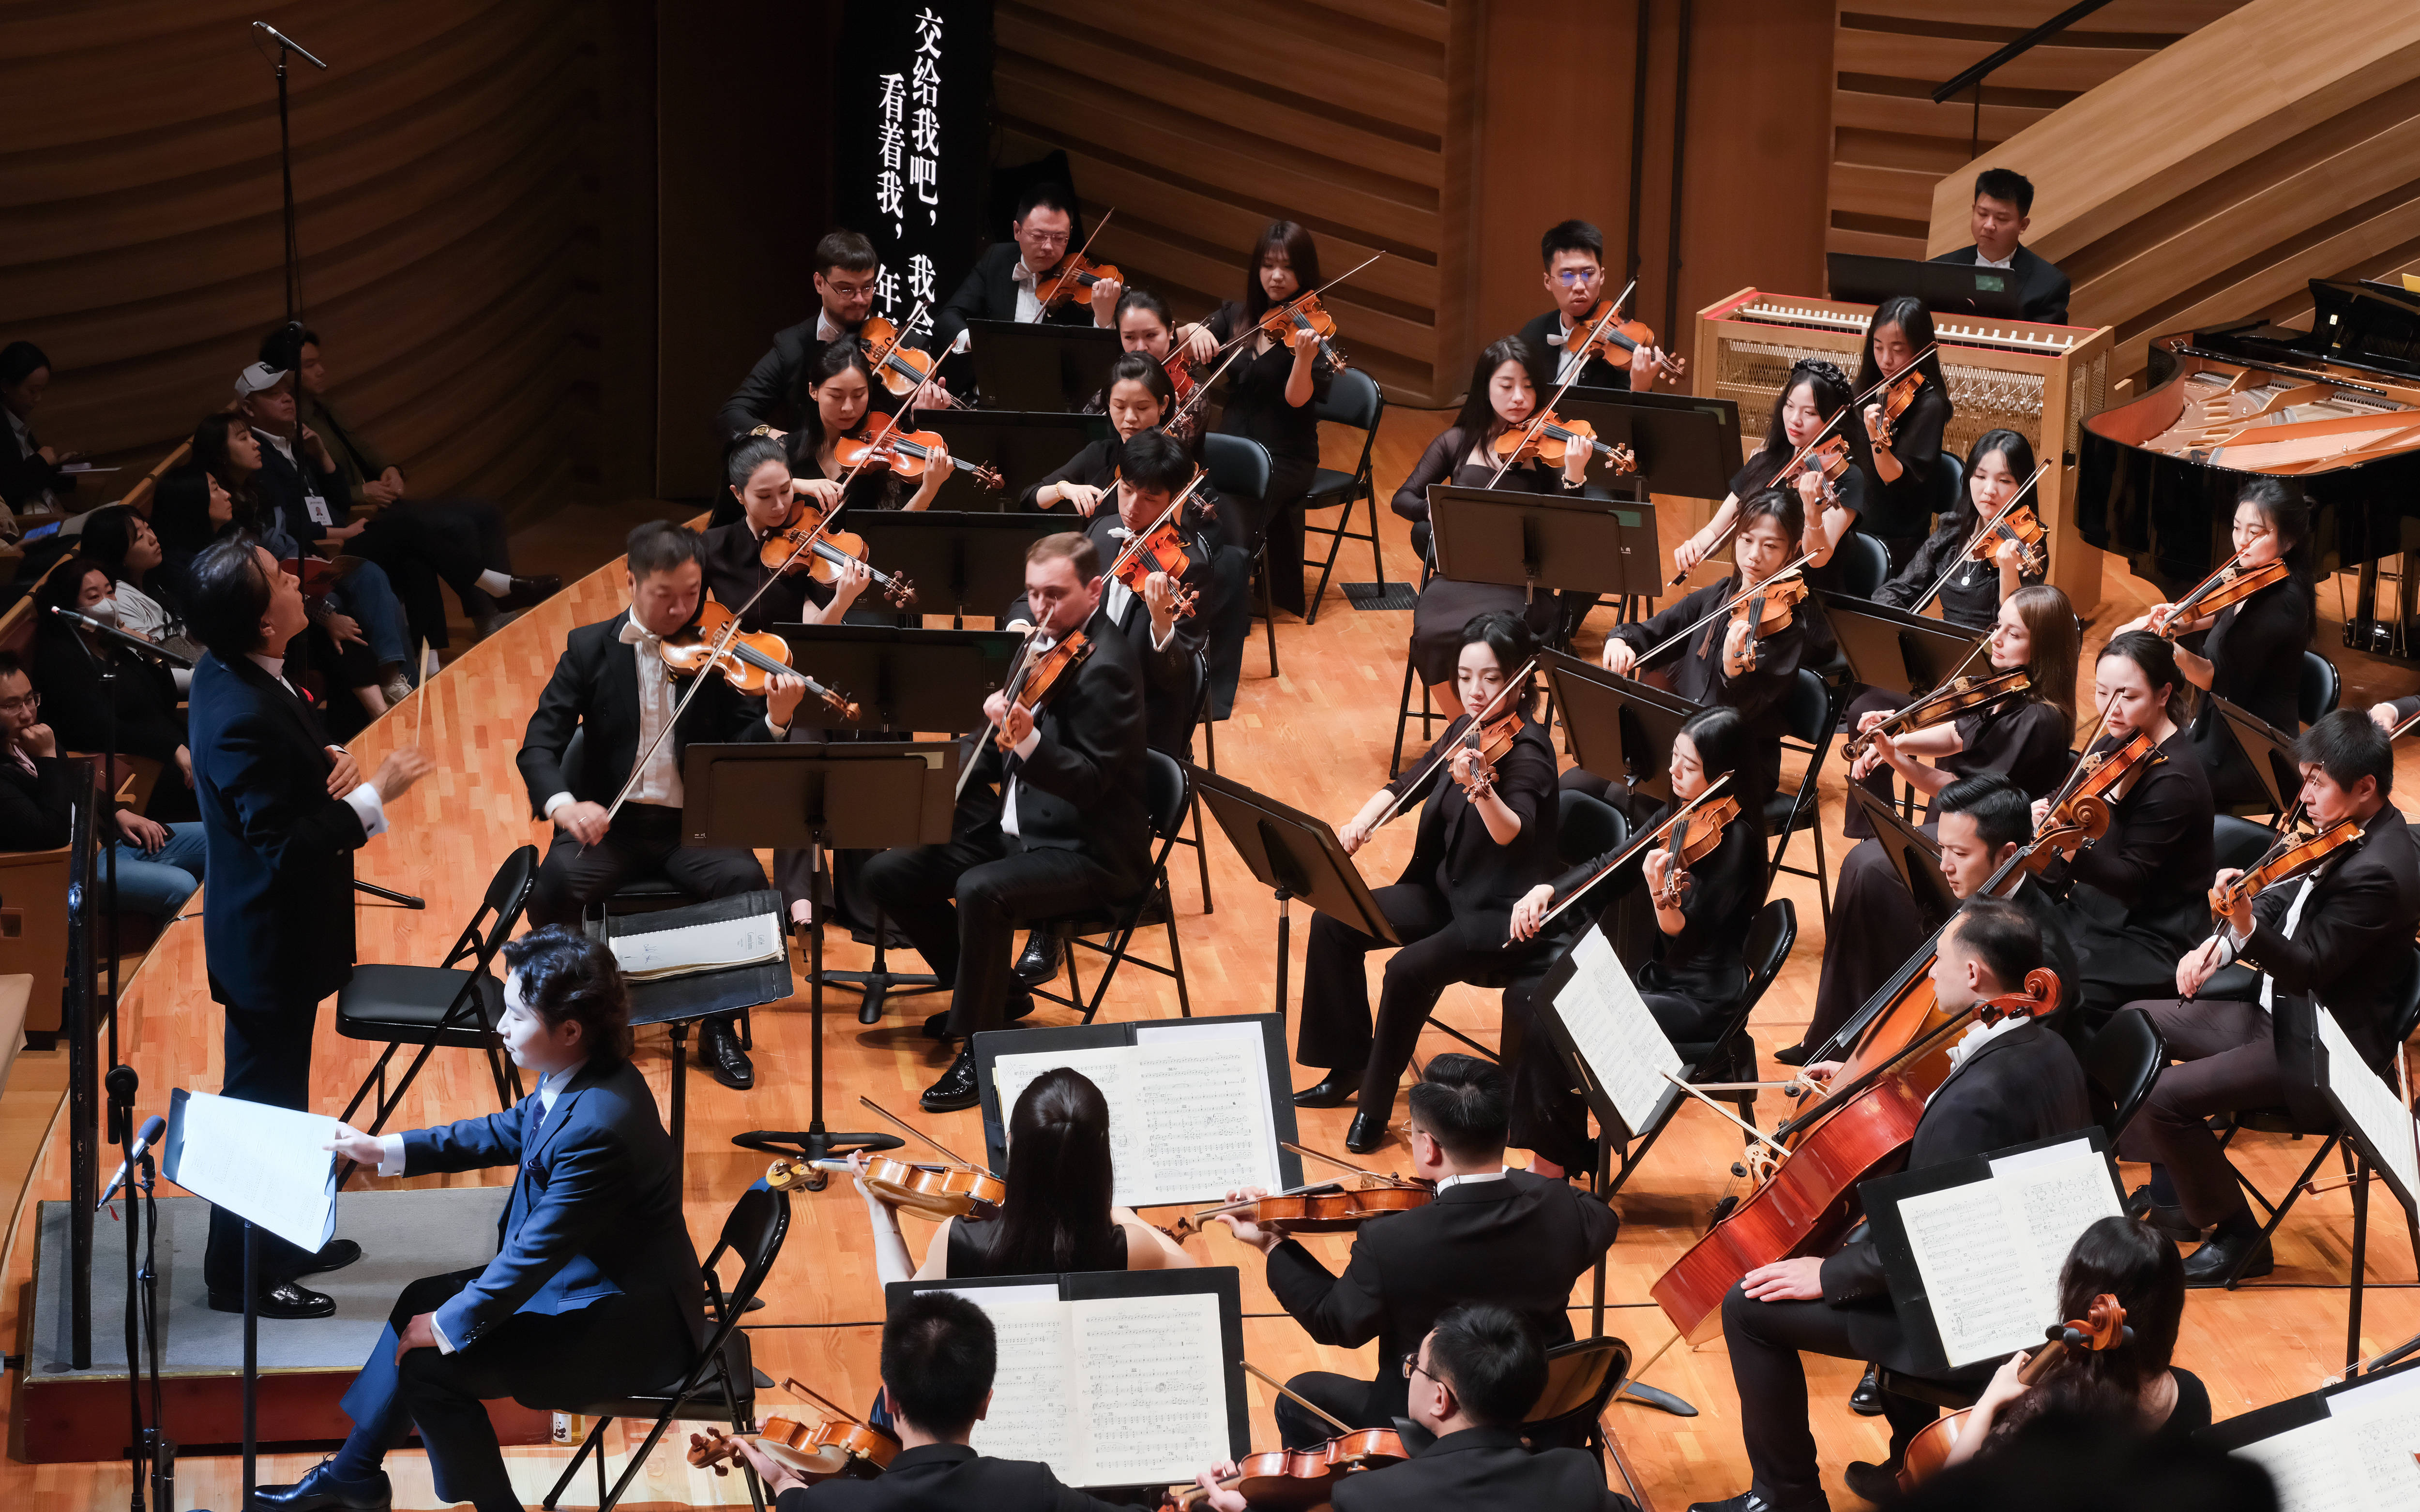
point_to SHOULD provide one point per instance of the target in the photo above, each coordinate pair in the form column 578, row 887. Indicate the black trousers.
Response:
column 2227, row 1060
column 644, row 840
column 960, row 904
column 1875, row 928
column 1765, row 1339
column 1343, row 1397
column 268, row 1060
column 1278, row 521
column 418, row 553
column 1336, row 1032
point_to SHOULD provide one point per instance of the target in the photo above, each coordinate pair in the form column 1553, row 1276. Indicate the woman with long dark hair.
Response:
column 835, row 389
column 124, row 543
column 1814, row 391
column 1972, row 587
column 1058, row 1215
column 133, row 712
column 757, row 469
column 2251, row 652
column 1903, row 452
column 1271, row 391
column 1146, row 328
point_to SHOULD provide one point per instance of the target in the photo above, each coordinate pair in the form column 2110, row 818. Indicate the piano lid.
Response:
column 2365, row 325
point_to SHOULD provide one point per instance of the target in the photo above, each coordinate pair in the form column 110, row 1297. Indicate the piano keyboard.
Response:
column 1791, row 313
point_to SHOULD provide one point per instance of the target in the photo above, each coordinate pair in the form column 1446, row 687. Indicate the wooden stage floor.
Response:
column 1317, row 736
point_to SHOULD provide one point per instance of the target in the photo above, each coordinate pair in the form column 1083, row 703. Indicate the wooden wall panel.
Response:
column 461, row 215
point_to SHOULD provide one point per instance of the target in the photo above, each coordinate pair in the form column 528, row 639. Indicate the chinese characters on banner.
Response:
column 912, row 138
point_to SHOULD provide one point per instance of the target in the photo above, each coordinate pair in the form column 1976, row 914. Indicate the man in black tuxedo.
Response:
column 1573, row 254
column 847, row 276
column 283, row 811
column 2341, row 935
column 2004, row 206
column 1492, row 1235
column 1002, row 284
column 611, row 689
column 594, row 1292
column 2012, row 1081
column 1066, row 832
column 938, row 1355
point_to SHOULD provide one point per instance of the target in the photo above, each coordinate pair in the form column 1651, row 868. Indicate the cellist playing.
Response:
column 2011, row 1082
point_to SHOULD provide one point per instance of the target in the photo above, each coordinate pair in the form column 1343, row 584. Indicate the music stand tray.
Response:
column 1039, row 366
column 1616, row 727
column 1022, row 446
column 1545, row 542
column 2281, row 774
column 677, row 1002
column 1914, row 855
column 959, row 564
column 1896, row 651
column 1686, row 444
column 1951, row 288
column 902, row 679
column 1295, row 854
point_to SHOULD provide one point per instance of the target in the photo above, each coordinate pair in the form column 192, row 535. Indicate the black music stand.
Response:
column 1914, row 855
column 1614, row 726
column 677, row 1002
column 1685, row 444
column 1295, row 854
column 1023, row 446
column 2280, row 773
column 1039, row 365
column 903, row 680
column 958, row 563
column 1893, row 650
column 1951, row 288
column 867, row 797
column 1545, row 542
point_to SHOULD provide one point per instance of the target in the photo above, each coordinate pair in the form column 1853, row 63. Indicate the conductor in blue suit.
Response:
column 594, row 1290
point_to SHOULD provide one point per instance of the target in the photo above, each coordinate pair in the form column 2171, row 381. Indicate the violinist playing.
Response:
column 848, row 273
column 2012, row 1081
column 1832, row 493
column 835, row 410
column 1574, row 255
column 1486, row 832
column 1976, row 574
column 1501, row 398
column 2339, row 932
column 1473, row 1379
column 610, row 686
column 1049, row 821
column 1493, row 1235
column 2251, row 651
column 1902, row 454
column 2136, row 900
column 1272, row 393
column 1005, row 281
column 1145, row 326
column 758, row 468
column 1691, row 976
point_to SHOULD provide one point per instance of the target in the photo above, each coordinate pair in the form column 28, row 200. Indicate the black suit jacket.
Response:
column 1172, row 674
column 988, row 292
column 946, row 1477
column 1457, row 857
column 1083, row 788
column 1546, row 361
column 33, row 805
column 1481, row 1468
column 2351, row 947
column 23, row 476
column 143, row 693
column 766, row 397
column 2058, row 952
column 596, row 687
column 1521, row 1240
column 277, row 919
column 2040, row 283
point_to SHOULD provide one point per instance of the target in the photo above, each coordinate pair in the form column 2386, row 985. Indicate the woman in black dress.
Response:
column 2251, row 652
column 1500, row 398
column 837, row 386
column 2140, row 898
column 758, row 470
column 1271, row 391
column 1451, row 906
column 1972, row 587
column 1814, row 391
column 135, row 712
column 1903, row 452
column 1145, row 326
column 1693, row 980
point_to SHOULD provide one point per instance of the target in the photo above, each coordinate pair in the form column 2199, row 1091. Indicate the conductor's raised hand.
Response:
column 357, row 1146
column 345, row 775
column 399, row 771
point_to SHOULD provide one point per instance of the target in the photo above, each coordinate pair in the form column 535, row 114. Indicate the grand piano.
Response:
column 2335, row 409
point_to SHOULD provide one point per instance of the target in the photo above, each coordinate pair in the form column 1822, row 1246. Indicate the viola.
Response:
column 1959, row 695
column 1897, row 396
column 901, row 369
column 906, row 453
column 1297, row 1480
column 924, row 1188
column 2102, row 1327
column 2296, row 852
column 2230, row 585
column 2079, row 811
column 1322, row 1209
column 1608, row 332
column 1073, row 278
column 748, row 662
column 1768, row 609
column 1304, row 313
column 2022, row 526
column 802, row 543
column 1692, row 842
column 1550, row 439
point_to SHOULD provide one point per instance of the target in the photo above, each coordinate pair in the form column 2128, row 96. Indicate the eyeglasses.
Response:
column 28, row 702
column 1571, row 276
column 1412, row 1366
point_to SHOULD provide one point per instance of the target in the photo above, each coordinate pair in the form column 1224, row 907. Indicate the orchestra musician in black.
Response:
column 1813, row 392
column 1006, row 282
column 2002, row 212
column 847, row 275
column 1902, row 454
column 1573, row 253
column 1972, row 588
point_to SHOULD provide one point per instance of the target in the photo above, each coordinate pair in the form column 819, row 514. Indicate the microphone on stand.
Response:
column 153, row 1128
column 286, row 42
column 124, row 637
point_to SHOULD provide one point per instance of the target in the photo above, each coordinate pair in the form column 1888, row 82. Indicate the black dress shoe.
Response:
column 1791, row 1055
column 1040, row 961
column 334, row 1255
column 938, row 1027
column 1867, row 1400
column 527, row 593
column 955, row 1089
column 1755, row 1501
column 2163, row 1219
column 1331, row 1091
column 321, row 1489
column 2209, row 1265
column 1368, row 1132
column 1878, row 1484
column 285, row 1300
column 719, row 1052
column 1019, row 1006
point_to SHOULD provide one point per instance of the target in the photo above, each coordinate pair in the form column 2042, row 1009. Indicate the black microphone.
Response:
column 125, row 638
column 153, row 1127
column 286, row 42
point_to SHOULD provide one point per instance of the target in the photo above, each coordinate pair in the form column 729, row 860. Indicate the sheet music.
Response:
column 2371, row 1106
column 1031, row 1411
column 2381, row 1422
column 2056, row 1195
column 263, row 1163
column 1110, row 1067
column 1968, row 1253
column 1153, row 1390
column 2310, row 1469
column 1189, row 1110
column 692, row 948
column 1617, row 1038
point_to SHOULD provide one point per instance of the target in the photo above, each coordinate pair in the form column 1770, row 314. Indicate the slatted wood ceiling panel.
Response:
column 1890, row 143
column 2167, row 219
column 1200, row 126
column 447, row 215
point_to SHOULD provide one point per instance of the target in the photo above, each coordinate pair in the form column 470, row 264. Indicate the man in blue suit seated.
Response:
column 594, row 1292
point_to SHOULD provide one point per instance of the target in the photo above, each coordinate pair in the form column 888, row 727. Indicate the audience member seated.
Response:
column 123, row 542
column 159, row 865
column 189, row 508
column 30, row 471
column 134, row 712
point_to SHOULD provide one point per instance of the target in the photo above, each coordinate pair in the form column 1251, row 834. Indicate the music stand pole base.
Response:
column 814, row 1142
column 881, row 982
column 1656, row 1397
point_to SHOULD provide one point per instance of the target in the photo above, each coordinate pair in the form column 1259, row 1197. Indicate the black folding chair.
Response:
column 1811, row 717
column 1581, row 1378
column 1168, row 794
column 2123, row 1063
column 1239, row 467
column 1352, row 400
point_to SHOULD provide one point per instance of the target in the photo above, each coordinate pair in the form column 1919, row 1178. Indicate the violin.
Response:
column 924, row 1188
column 801, row 544
column 2102, row 1327
column 2299, row 850
column 1829, row 459
column 1487, row 718
column 1304, row 313
column 748, row 662
column 1158, row 548
column 2079, row 811
column 1768, row 609
column 1073, row 278
column 1897, row 396
column 2230, row 585
column 1626, row 337
column 1639, row 846
column 906, row 453
column 1297, row 1480
column 1959, row 695
column 1321, row 1209
column 1492, row 741
column 2022, row 526
column 1037, row 677
column 900, row 368
column 1692, row 842
column 840, row 1446
column 1550, row 439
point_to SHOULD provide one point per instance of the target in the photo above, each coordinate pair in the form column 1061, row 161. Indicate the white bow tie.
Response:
column 635, row 634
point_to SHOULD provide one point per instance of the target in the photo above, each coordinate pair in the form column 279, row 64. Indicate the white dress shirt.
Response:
column 365, row 798
column 2007, row 264
column 2230, row 943
column 1975, row 1037
column 1466, row 1179
column 660, row 781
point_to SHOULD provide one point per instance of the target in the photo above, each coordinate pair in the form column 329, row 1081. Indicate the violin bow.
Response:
column 1069, row 263
column 2006, row 509
column 1530, row 432
column 905, row 1127
column 1634, row 847
column 1238, row 1207
column 1720, row 610
column 1780, row 1153
column 1834, row 1096
column 1298, row 1398
column 794, row 1383
column 1010, row 685
column 1387, row 1177
column 1775, row 482
column 1900, row 717
column 2184, row 607
column 1487, row 712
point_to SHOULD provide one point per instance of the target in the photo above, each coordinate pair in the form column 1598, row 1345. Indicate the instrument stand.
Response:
column 154, row 1457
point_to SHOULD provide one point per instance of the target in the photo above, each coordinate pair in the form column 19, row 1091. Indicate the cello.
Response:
column 2102, row 1327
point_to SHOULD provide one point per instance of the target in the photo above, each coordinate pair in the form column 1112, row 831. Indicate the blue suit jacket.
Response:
column 277, row 919
column 595, row 1212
